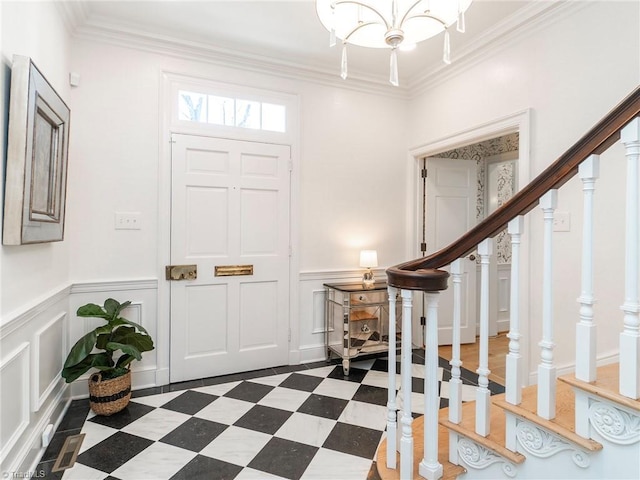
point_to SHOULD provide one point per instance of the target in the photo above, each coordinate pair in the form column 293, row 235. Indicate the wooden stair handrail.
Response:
column 424, row 274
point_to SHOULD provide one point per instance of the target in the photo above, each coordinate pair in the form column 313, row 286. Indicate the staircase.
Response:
column 582, row 425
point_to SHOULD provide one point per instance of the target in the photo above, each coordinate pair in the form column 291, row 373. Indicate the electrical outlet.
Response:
column 561, row 221
column 128, row 220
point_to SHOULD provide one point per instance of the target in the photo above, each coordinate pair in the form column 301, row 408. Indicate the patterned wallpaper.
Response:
column 479, row 152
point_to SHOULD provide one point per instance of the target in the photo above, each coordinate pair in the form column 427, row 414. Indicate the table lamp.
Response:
column 368, row 260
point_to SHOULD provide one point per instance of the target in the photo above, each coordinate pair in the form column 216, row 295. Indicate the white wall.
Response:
column 570, row 73
column 33, row 29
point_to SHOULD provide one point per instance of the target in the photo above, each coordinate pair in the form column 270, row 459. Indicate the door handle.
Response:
column 181, row 272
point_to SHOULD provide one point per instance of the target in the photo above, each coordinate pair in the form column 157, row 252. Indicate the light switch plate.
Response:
column 128, row 220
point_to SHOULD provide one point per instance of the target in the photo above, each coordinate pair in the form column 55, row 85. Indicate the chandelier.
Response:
column 394, row 24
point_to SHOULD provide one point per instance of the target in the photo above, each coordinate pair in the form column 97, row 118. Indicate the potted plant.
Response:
column 110, row 349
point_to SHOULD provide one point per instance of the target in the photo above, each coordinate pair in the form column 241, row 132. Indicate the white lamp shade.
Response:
column 368, row 258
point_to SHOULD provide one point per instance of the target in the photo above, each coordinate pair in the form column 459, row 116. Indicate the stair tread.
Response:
column 606, row 385
column 493, row 441
column 450, row 471
column 564, row 422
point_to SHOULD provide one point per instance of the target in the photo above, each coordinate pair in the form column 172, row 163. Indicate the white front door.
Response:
column 229, row 213
column 451, row 211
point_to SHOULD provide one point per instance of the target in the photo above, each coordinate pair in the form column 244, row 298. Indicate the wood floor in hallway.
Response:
column 469, row 354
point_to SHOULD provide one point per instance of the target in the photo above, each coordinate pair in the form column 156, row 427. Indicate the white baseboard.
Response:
column 567, row 369
column 312, row 353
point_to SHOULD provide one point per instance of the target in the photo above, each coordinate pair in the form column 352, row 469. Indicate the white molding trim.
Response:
column 19, row 318
column 570, row 368
column 38, row 399
column 523, row 22
column 21, row 353
column 113, row 286
column 346, row 275
column 105, row 31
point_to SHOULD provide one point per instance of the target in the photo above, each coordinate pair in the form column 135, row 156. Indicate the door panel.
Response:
column 230, row 207
column 450, row 212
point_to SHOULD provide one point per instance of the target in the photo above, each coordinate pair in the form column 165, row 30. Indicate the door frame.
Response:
column 517, row 122
column 170, row 82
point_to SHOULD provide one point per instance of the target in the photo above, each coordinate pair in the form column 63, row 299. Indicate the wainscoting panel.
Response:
column 49, row 343
column 14, row 417
column 33, row 395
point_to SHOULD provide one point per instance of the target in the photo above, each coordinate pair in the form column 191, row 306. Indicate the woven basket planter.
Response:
column 109, row 396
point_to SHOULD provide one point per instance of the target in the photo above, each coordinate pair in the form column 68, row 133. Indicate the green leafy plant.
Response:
column 118, row 335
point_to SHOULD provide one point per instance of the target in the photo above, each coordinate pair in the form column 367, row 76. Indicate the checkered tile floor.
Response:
column 302, row 422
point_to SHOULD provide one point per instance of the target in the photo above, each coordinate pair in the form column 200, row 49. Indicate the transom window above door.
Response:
column 230, row 111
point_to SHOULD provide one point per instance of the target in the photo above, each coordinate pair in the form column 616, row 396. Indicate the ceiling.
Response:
column 289, row 32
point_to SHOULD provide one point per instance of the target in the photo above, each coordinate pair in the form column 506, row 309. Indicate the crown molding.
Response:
column 104, row 31
column 73, row 14
column 525, row 21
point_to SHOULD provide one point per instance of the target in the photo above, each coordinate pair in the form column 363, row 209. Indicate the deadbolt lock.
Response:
column 181, row 272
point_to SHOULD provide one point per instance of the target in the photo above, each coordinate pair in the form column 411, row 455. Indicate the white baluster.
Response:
column 546, row 369
column 630, row 337
column 392, row 409
column 589, row 171
column 429, row 467
column 455, row 384
column 483, row 400
column 406, row 441
column 513, row 393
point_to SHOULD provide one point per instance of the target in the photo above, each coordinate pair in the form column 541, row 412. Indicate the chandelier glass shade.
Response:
column 390, row 24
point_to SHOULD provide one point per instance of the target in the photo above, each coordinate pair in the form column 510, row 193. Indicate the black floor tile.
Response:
column 495, row 388
column 43, row 470
column 205, row 468
column 417, row 385
column 354, row 440
column 114, row 451
column 446, row 375
column 57, row 441
column 284, row 458
column 76, row 415
column 249, row 391
column 190, row 402
column 263, row 419
column 468, row 376
column 321, row 406
column 306, row 383
column 444, row 402
column 287, row 369
column 382, row 365
column 194, row 434
column 371, row 394
column 355, row 374
column 131, row 413
column 145, row 392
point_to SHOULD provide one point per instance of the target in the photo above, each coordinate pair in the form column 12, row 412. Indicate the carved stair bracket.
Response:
column 477, row 456
column 614, row 424
column 543, row 444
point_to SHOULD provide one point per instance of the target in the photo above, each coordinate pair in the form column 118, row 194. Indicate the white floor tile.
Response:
column 219, row 390
column 157, row 400
column 319, row 372
column 364, row 415
column 251, row 474
column 380, row 379
column 82, row 472
column 157, row 462
column 236, row 445
column 273, row 380
column 225, row 410
column 156, row 424
column 308, row 429
column 94, row 434
column 284, row 399
column 331, row 387
column 468, row 392
column 329, row 464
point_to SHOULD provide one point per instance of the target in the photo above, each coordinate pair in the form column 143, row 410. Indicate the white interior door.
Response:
column 451, row 211
column 230, row 207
